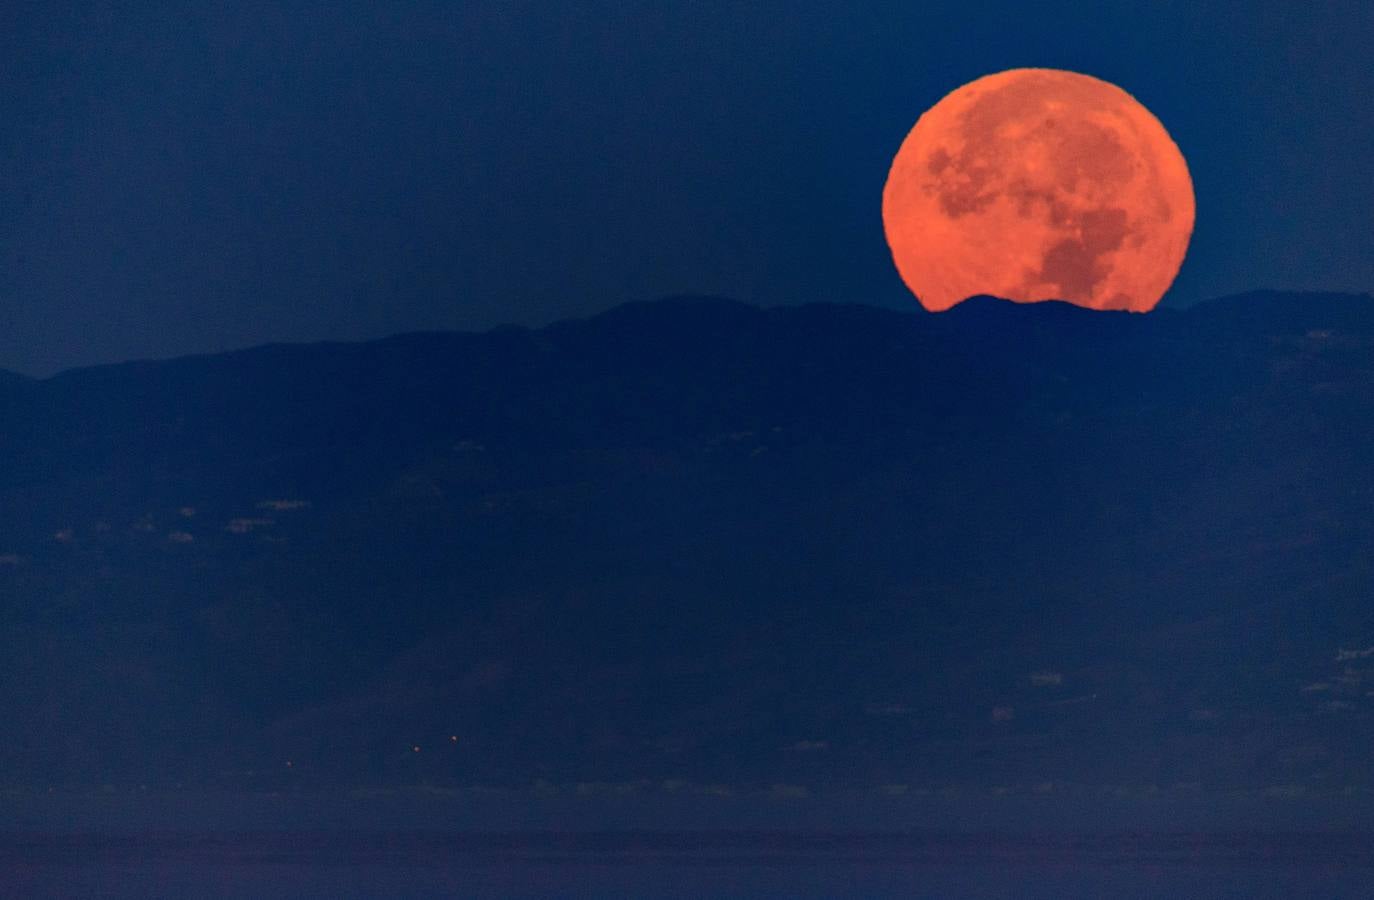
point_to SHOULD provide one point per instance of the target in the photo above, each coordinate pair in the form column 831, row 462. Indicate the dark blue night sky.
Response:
column 177, row 180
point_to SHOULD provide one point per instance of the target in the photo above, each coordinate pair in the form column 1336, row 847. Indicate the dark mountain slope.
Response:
column 12, row 381
column 698, row 542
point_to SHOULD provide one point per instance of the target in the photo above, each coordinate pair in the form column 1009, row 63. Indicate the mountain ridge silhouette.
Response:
column 704, row 543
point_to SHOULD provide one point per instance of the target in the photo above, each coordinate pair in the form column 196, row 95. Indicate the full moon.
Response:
column 1039, row 184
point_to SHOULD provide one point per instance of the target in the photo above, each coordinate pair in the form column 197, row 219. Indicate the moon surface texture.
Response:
column 1039, row 184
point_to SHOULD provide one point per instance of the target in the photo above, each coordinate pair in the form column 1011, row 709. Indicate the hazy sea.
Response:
column 697, row 865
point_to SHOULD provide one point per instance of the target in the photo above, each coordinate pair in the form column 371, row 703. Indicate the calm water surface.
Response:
column 685, row 865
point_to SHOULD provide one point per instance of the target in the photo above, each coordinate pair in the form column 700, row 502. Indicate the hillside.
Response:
column 1007, row 548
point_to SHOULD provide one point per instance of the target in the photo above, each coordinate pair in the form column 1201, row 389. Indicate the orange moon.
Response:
column 1039, row 184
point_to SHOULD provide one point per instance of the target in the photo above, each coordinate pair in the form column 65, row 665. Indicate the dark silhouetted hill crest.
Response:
column 701, row 543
